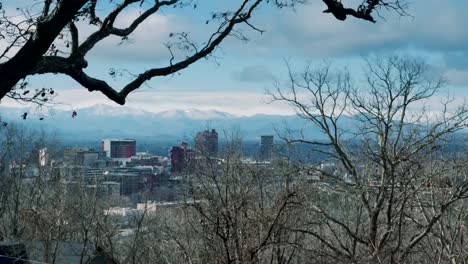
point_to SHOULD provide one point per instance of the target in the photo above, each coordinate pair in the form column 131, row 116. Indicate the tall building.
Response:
column 177, row 159
column 206, row 142
column 267, row 148
column 180, row 157
column 119, row 148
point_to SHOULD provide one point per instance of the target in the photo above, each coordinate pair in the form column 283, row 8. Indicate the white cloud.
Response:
column 145, row 44
column 238, row 103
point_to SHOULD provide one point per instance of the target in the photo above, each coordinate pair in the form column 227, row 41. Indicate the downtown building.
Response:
column 206, row 143
column 119, row 149
column 267, row 148
column 83, row 156
column 180, row 157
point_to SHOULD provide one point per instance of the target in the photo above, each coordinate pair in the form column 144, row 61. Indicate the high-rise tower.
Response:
column 206, row 142
column 267, row 148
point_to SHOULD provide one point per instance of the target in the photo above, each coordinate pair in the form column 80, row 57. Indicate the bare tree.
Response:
column 394, row 188
column 236, row 212
column 41, row 208
column 44, row 38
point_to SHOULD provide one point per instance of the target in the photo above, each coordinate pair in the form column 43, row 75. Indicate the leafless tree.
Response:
column 395, row 190
column 236, row 212
column 39, row 206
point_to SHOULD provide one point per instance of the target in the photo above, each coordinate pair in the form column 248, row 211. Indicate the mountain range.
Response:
column 103, row 121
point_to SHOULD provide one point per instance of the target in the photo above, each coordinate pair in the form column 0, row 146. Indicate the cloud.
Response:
column 457, row 77
column 239, row 103
column 254, row 73
column 434, row 26
column 145, row 44
column 435, row 30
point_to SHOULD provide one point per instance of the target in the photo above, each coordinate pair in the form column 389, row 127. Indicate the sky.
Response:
column 237, row 78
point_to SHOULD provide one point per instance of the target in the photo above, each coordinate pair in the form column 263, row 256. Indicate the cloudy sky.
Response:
column 236, row 79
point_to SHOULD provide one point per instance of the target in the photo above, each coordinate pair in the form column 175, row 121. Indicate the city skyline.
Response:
column 233, row 131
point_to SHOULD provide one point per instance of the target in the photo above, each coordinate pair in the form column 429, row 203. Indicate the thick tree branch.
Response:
column 119, row 97
column 39, row 42
column 364, row 11
column 74, row 39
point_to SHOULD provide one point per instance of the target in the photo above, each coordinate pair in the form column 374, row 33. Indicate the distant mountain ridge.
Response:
column 101, row 121
column 116, row 111
column 112, row 111
column 195, row 114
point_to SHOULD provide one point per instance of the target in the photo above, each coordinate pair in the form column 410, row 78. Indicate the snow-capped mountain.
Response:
column 124, row 111
column 113, row 111
column 195, row 114
column 102, row 121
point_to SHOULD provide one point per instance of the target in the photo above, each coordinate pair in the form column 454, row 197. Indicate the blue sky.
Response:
column 237, row 79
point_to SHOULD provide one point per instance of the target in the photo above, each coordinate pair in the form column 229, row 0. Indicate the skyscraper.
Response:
column 267, row 148
column 206, row 142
